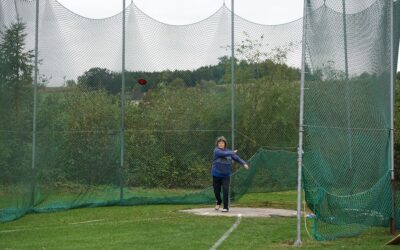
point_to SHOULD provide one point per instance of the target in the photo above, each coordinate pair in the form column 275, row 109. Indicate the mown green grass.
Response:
column 164, row 227
column 285, row 199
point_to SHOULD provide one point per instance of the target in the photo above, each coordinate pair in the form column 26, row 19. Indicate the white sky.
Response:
column 189, row 11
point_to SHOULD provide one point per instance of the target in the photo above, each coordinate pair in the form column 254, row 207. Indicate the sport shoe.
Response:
column 217, row 207
column 225, row 210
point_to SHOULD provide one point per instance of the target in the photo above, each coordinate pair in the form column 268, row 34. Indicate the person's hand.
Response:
column 246, row 166
column 235, row 151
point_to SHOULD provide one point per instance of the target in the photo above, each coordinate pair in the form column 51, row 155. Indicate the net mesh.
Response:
column 85, row 156
column 347, row 115
column 170, row 124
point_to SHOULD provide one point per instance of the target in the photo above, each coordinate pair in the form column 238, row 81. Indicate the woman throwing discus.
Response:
column 222, row 170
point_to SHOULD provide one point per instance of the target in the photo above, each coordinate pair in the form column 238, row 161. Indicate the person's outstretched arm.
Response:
column 236, row 158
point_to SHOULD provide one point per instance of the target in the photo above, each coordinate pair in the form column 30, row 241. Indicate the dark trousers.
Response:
column 223, row 182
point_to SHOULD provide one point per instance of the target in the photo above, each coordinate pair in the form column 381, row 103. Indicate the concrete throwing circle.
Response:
column 243, row 212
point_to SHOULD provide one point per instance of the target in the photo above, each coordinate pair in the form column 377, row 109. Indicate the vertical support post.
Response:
column 233, row 74
column 122, row 129
column 391, row 148
column 35, row 80
column 301, row 128
column 346, row 62
column 232, row 88
column 16, row 9
column 348, row 93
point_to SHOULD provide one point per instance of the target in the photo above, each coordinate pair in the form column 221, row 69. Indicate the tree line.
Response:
column 170, row 123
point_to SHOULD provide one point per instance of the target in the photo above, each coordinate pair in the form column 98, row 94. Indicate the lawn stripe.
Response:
column 85, row 222
column 100, row 222
column 227, row 233
column 11, row 231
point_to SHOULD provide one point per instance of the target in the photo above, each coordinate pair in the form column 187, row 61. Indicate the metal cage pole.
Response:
column 122, row 135
column 233, row 74
column 391, row 148
column 16, row 9
column 346, row 61
column 232, row 88
column 35, row 80
column 348, row 96
column 301, row 127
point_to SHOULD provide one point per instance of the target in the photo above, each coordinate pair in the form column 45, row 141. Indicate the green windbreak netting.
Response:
column 92, row 141
column 15, row 129
column 347, row 115
column 97, row 143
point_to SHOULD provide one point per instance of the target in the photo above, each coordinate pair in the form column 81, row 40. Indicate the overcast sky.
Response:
column 189, row 11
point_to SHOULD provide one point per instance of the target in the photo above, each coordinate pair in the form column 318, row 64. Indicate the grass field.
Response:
column 164, row 227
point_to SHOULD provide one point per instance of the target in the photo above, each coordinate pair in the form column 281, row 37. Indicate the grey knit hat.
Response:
column 221, row 138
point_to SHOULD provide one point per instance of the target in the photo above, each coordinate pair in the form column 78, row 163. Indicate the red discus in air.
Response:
column 142, row 81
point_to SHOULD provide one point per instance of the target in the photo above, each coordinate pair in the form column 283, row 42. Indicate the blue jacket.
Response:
column 222, row 162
